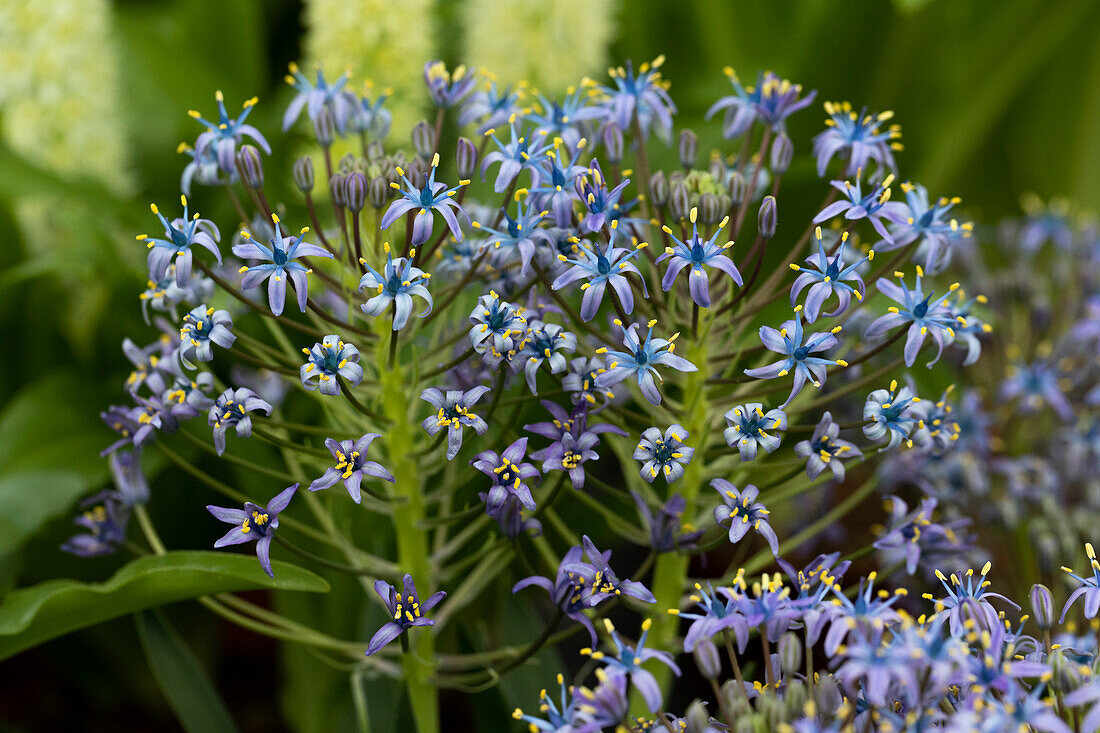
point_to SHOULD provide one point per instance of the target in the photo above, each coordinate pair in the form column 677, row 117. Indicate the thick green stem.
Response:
column 412, row 539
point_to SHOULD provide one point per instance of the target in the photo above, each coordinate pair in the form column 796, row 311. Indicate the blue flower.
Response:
column 929, row 223
column 857, row 137
column 179, row 236
column 1088, row 588
column 517, row 237
column 453, row 412
column 608, row 266
column 668, row 532
column 599, row 581
column 663, row 454
column 598, row 201
column 328, row 360
column 962, row 587
column 788, row 341
column 925, row 315
column 254, row 522
column 742, row 512
column 628, row 661
column 640, row 361
column 499, row 328
column 563, row 716
column 201, row 328
column 544, row 342
column 642, row 95
column 771, row 101
column 581, row 379
column 864, row 609
column 490, row 106
column 447, row 88
column 432, row 198
column 351, row 466
column 203, row 169
column 371, row 116
column 1034, row 385
column 518, row 154
column 556, row 190
column 740, row 108
column 874, row 206
column 828, row 277
column 313, row 97
column 398, row 282
column 750, row 429
column 1046, row 223
column 911, row 534
column 231, row 410
column 697, row 254
column 890, row 413
column 566, row 119
column 281, row 265
column 405, row 609
column 825, row 450
column 221, row 138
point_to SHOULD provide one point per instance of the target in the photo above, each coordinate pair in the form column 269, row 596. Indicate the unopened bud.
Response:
column 423, row 139
column 377, row 192
column 251, row 166
column 707, row 659
column 827, row 695
column 688, row 149
column 697, row 719
column 303, row 174
column 782, row 153
column 613, row 142
column 1042, row 607
column 768, row 218
column 355, row 191
column 658, row 189
column 466, row 157
column 375, row 151
column 417, row 172
column 790, row 653
column 710, row 208
column 324, row 127
column 737, row 187
column 679, row 201
column 336, row 190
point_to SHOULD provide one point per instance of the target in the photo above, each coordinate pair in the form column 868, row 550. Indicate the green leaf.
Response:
column 28, row 499
column 30, row 616
column 181, row 677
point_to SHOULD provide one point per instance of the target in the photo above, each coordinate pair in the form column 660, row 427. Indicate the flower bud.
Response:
column 710, row 208
column 1042, row 607
column 688, row 148
column 346, row 164
column 679, row 201
column 251, row 166
column 697, row 719
column 613, row 142
column 324, row 127
column 658, row 189
column 768, row 218
column 827, row 695
column 466, row 158
column 355, row 191
column 734, row 698
column 336, row 190
column 375, row 151
column 417, row 172
column 790, row 653
column 303, row 174
column 795, row 696
column 738, row 187
column 782, row 152
column 707, row 659
column 423, row 139
column 377, row 192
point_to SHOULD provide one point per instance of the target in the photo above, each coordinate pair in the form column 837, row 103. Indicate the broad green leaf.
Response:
column 28, row 499
column 181, row 676
column 30, row 616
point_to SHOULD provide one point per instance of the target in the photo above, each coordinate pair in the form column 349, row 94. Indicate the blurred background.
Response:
column 995, row 98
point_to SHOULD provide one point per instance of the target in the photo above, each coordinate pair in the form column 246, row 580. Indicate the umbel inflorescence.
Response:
column 514, row 343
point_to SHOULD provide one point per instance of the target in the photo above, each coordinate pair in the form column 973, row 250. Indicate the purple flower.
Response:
column 254, row 522
column 398, row 282
column 231, row 409
column 663, row 454
column 628, row 660
column 788, row 340
column 965, row 590
column 281, row 264
column 910, row 533
column 201, row 329
column 433, row 198
column 179, row 236
column 642, row 96
column 749, row 428
column 865, row 610
column 697, row 254
column 873, row 206
column 856, row 137
column 312, row 97
column 518, row 154
column 713, row 615
column 825, row 450
column 1087, row 694
column 1088, row 588
column 775, row 99
column 599, row 581
column 608, row 266
column 509, row 474
column 351, row 466
column 564, row 591
column 328, row 360
column 599, row 202
column 105, row 517
column 924, row 315
column 641, row 360
column 453, row 413
column 146, row 372
column 221, row 138
column 405, row 609
column 741, row 510
column 828, row 277
column 580, row 382
column 667, row 530
column 1036, row 384
column 447, row 88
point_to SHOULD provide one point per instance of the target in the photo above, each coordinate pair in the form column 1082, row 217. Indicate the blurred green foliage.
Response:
column 995, row 97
